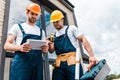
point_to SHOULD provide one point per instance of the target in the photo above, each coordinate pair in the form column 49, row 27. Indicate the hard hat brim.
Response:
column 34, row 11
column 55, row 20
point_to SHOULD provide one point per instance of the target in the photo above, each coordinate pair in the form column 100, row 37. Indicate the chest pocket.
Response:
column 63, row 44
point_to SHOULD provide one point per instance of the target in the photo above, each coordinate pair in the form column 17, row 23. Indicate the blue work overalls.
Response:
column 27, row 65
column 63, row 45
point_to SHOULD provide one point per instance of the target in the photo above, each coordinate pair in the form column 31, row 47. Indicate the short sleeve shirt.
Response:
column 15, row 30
column 73, row 34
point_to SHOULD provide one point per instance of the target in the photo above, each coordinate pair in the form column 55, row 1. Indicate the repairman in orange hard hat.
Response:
column 27, row 63
column 64, row 45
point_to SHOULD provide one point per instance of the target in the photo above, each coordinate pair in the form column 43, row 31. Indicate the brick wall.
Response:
column 2, row 10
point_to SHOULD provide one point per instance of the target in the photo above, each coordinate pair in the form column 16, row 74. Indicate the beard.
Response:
column 32, row 20
column 58, row 27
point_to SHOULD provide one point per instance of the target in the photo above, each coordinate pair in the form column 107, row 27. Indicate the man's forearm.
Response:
column 88, row 48
column 11, row 47
column 86, row 45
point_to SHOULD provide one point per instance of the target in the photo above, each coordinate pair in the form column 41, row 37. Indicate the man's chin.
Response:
column 58, row 28
column 33, row 21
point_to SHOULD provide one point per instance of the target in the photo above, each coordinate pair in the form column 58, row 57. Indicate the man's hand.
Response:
column 92, row 61
column 45, row 48
column 25, row 47
column 51, row 46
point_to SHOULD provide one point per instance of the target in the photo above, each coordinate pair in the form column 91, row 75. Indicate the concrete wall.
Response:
column 7, row 68
column 66, row 10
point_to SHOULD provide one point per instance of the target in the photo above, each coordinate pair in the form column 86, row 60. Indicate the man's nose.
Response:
column 34, row 14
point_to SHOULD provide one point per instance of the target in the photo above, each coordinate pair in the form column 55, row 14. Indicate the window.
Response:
column 17, row 12
column 49, row 29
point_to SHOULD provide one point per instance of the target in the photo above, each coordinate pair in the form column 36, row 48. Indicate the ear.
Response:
column 27, row 12
column 63, row 21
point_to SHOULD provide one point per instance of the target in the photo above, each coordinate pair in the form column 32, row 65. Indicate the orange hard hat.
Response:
column 56, row 15
column 34, row 8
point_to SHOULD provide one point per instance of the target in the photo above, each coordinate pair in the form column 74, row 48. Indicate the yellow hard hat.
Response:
column 34, row 8
column 56, row 15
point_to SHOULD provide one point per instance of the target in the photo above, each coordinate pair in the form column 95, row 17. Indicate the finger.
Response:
column 97, row 62
column 26, row 49
column 44, row 47
column 26, row 44
column 93, row 63
column 45, row 51
column 48, row 38
column 89, row 67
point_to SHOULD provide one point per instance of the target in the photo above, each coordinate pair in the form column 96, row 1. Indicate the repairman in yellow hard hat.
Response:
column 27, row 63
column 65, row 44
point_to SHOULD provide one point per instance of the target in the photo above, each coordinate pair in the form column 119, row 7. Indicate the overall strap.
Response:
column 55, row 34
column 66, row 30
column 22, row 30
column 41, row 33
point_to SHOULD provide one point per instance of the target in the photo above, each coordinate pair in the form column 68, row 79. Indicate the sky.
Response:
column 99, row 21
